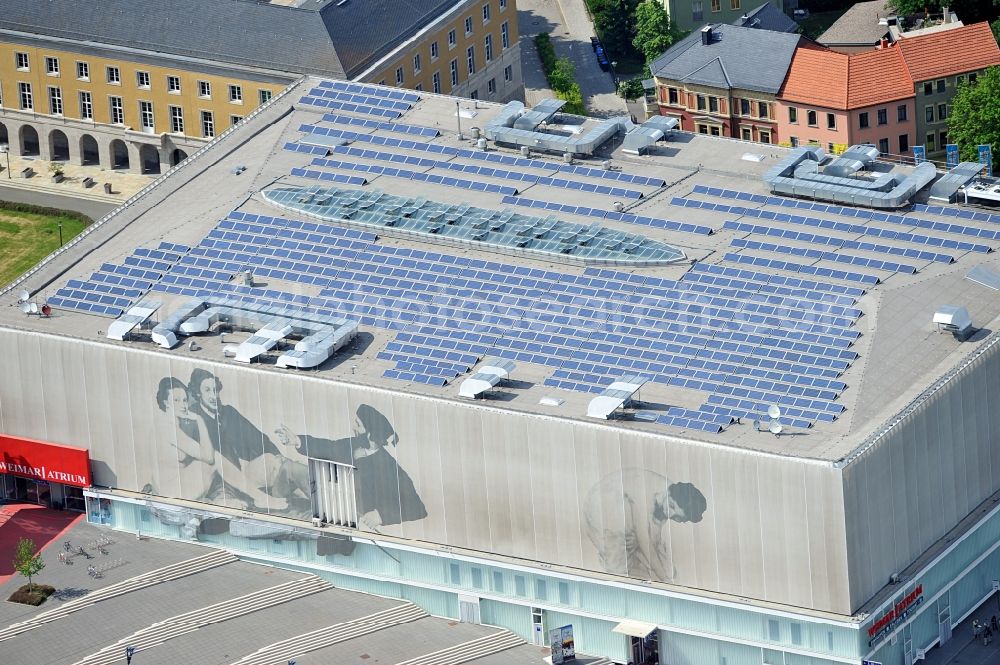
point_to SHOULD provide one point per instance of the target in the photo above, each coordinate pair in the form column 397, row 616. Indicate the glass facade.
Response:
column 691, row 629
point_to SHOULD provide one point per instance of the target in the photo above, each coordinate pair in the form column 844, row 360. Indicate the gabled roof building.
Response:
column 767, row 17
column 140, row 85
column 722, row 80
column 836, row 100
column 937, row 63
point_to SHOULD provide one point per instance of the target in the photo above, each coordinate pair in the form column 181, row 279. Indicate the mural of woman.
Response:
column 385, row 492
column 639, row 545
column 245, row 462
column 195, row 454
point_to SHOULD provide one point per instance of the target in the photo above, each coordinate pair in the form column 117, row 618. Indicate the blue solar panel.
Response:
column 351, row 107
column 367, row 89
column 360, row 98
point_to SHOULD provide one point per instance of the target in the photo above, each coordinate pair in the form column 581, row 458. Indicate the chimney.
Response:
column 884, row 43
column 947, row 14
column 706, row 35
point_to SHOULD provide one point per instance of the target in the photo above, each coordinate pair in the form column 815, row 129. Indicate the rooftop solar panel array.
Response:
column 350, row 107
column 961, row 213
column 370, row 101
column 507, row 160
column 374, row 90
column 398, row 127
column 487, row 171
column 114, row 288
column 861, row 213
column 747, row 338
column 392, row 171
column 847, row 227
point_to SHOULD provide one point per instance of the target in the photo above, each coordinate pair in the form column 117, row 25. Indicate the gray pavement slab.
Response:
column 40, row 197
column 89, row 630
column 399, row 643
column 228, row 641
column 72, row 581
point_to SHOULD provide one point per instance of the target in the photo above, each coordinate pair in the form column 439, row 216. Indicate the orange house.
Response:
column 835, row 100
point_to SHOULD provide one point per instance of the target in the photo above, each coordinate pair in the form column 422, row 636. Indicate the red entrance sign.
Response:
column 39, row 460
column 899, row 611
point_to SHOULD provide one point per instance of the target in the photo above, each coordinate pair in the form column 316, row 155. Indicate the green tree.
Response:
column 27, row 561
column 654, row 32
column 631, row 89
column 974, row 118
column 995, row 26
column 615, row 23
column 969, row 11
column 563, row 75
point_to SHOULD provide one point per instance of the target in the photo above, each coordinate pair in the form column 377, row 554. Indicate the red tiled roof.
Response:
column 877, row 77
column 817, row 76
column 950, row 52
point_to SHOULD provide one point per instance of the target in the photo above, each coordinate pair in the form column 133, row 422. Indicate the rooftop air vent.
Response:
column 616, row 396
column 489, row 375
column 954, row 319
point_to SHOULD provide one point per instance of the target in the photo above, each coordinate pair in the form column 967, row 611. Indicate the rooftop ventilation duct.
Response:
column 616, row 396
column 505, row 128
column 321, row 335
column 136, row 315
column 487, row 377
column 892, row 191
column 642, row 137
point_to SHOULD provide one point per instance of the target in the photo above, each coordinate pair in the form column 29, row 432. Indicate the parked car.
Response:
column 602, row 58
column 595, row 43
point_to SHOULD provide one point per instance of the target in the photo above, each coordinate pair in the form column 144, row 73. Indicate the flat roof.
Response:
column 719, row 335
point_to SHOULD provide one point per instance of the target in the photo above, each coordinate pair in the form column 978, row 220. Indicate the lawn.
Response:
column 28, row 237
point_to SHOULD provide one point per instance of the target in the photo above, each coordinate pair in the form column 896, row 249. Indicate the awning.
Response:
column 634, row 628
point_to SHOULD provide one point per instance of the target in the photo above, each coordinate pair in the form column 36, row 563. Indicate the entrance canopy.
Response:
column 634, row 628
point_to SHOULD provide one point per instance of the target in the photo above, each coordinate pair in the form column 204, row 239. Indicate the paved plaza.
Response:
column 181, row 602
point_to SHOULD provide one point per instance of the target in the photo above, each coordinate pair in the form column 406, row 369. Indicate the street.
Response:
column 570, row 29
column 93, row 209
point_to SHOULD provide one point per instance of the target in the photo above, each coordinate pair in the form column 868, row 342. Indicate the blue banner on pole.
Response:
column 919, row 154
column 951, row 155
column 986, row 159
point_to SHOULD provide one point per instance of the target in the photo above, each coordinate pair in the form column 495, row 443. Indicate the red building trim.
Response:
column 40, row 460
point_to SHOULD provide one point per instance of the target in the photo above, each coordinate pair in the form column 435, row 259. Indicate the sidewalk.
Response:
column 962, row 649
column 123, row 185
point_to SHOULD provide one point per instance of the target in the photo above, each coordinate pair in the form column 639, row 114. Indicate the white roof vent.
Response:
column 616, row 396
column 489, row 375
column 136, row 315
column 953, row 319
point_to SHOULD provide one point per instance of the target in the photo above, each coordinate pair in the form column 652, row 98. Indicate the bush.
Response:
column 561, row 75
column 546, row 52
column 43, row 210
column 574, row 100
column 36, row 596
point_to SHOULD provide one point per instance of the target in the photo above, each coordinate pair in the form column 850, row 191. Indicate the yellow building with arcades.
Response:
column 140, row 86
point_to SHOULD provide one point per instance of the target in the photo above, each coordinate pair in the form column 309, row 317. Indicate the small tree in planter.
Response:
column 29, row 563
column 56, row 169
